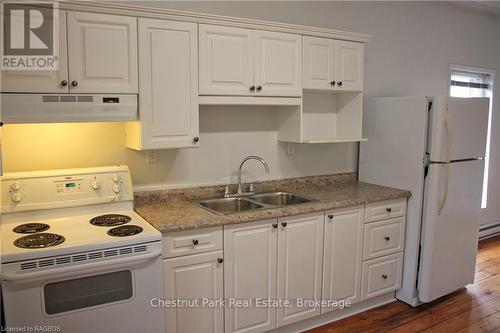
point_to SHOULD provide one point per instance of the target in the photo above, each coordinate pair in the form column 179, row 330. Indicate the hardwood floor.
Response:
column 474, row 309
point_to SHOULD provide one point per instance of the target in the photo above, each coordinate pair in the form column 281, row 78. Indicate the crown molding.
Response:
column 177, row 15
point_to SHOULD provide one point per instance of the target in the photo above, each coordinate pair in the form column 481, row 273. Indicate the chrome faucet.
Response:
column 240, row 192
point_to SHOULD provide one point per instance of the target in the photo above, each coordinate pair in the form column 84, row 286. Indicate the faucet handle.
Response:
column 251, row 189
column 226, row 192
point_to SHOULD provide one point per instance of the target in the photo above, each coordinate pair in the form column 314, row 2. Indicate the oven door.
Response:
column 109, row 296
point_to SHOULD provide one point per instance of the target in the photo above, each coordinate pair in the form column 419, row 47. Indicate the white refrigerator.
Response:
column 433, row 147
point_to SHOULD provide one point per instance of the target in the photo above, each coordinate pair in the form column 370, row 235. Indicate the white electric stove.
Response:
column 75, row 255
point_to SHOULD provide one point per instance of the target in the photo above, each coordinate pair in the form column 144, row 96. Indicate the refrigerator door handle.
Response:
column 447, row 125
column 442, row 200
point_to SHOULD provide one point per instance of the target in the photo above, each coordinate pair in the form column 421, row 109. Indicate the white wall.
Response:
column 413, row 45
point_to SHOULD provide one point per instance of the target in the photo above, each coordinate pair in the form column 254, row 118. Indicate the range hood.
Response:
column 59, row 108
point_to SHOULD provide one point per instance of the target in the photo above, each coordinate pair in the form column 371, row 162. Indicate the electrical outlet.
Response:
column 290, row 148
column 151, row 156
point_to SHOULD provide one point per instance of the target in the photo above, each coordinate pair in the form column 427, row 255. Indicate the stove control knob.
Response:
column 117, row 188
column 17, row 197
column 95, row 185
column 16, row 185
column 116, row 178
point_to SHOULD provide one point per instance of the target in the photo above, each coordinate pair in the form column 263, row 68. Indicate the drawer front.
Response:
column 381, row 275
column 383, row 238
column 183, row 243
column 385, row 210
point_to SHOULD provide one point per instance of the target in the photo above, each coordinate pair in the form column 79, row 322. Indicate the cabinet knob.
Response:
column 252, row 88
column 275, row 225
column 384, row 276
column 339, row 83
column 284, row 224
column 387, row 238
column 220, row 260
column 74, row 83
column 64, row 83
column 388, row 210
column 196, row 139
column 259, row 88
column 332, row 83
column 330, row 216
column 195, row 242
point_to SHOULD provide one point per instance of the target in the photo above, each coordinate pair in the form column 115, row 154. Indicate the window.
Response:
column 474, row 82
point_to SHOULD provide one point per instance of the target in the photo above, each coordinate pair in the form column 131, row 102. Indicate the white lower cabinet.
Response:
column 194, row 277
column 342, row 255
column 300, row 252
column 381, row 275
column 250, row 272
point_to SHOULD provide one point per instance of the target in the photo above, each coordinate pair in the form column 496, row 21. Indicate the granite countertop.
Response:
column 179, row 212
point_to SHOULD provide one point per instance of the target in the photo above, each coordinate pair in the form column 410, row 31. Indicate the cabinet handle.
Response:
column 259, row 88
column 196, row 139
column 252, row 88
column 74, row 83
column 384, row 276
column 332, row 83
column 387, row 238
column 220, row 260
column 339, row 83
column 284, row 224
column 275, row 225
column 195, row 242
column 388, row 210
column 330, row 216
column 64, row 83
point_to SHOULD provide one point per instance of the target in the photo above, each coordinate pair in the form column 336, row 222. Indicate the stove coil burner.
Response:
column 30, row 228
column 38, row 241
column 110, row 220
column 125, row 230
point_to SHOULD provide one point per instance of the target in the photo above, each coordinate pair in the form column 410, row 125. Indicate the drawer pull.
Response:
column 387, row 238
column 275, row 225
column 384, row 276
column 330, row 216
column 284, row 224
column 195, row 242
column 220, row 260
column 388, row 210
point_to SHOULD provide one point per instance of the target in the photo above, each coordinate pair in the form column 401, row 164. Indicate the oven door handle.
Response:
column 90, row 268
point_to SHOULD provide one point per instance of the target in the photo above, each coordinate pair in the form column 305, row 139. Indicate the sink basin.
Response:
column 229, row 205
column 279, row 199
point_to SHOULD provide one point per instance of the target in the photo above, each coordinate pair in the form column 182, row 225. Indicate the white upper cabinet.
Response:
column 41, row 81
column 168, row 108
column 102, row 52
column 244, row 62
column 226, row 60
column 278, row 60
column 332, row 64
column 319, row 63
column 300, row 251
column 349, row 60
column 343, row 255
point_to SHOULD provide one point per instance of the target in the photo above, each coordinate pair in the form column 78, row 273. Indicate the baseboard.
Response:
column 336, row 315
column 489, row 230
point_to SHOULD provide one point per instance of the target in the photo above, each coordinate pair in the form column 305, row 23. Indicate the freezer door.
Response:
column 458, row 128
column 449, row 240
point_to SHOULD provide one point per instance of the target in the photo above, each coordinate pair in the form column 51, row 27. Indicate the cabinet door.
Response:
column 226, row 61
column 250, row 273
column 102, row 53
column 349, row 60
column 194, row 277
column 318, row 63
column 42, row 81
column 168, row 108
column 278, row 64
column 300, row 252
column 343, row 255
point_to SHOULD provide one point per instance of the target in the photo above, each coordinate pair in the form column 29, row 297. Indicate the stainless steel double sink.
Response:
column 253, row 202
